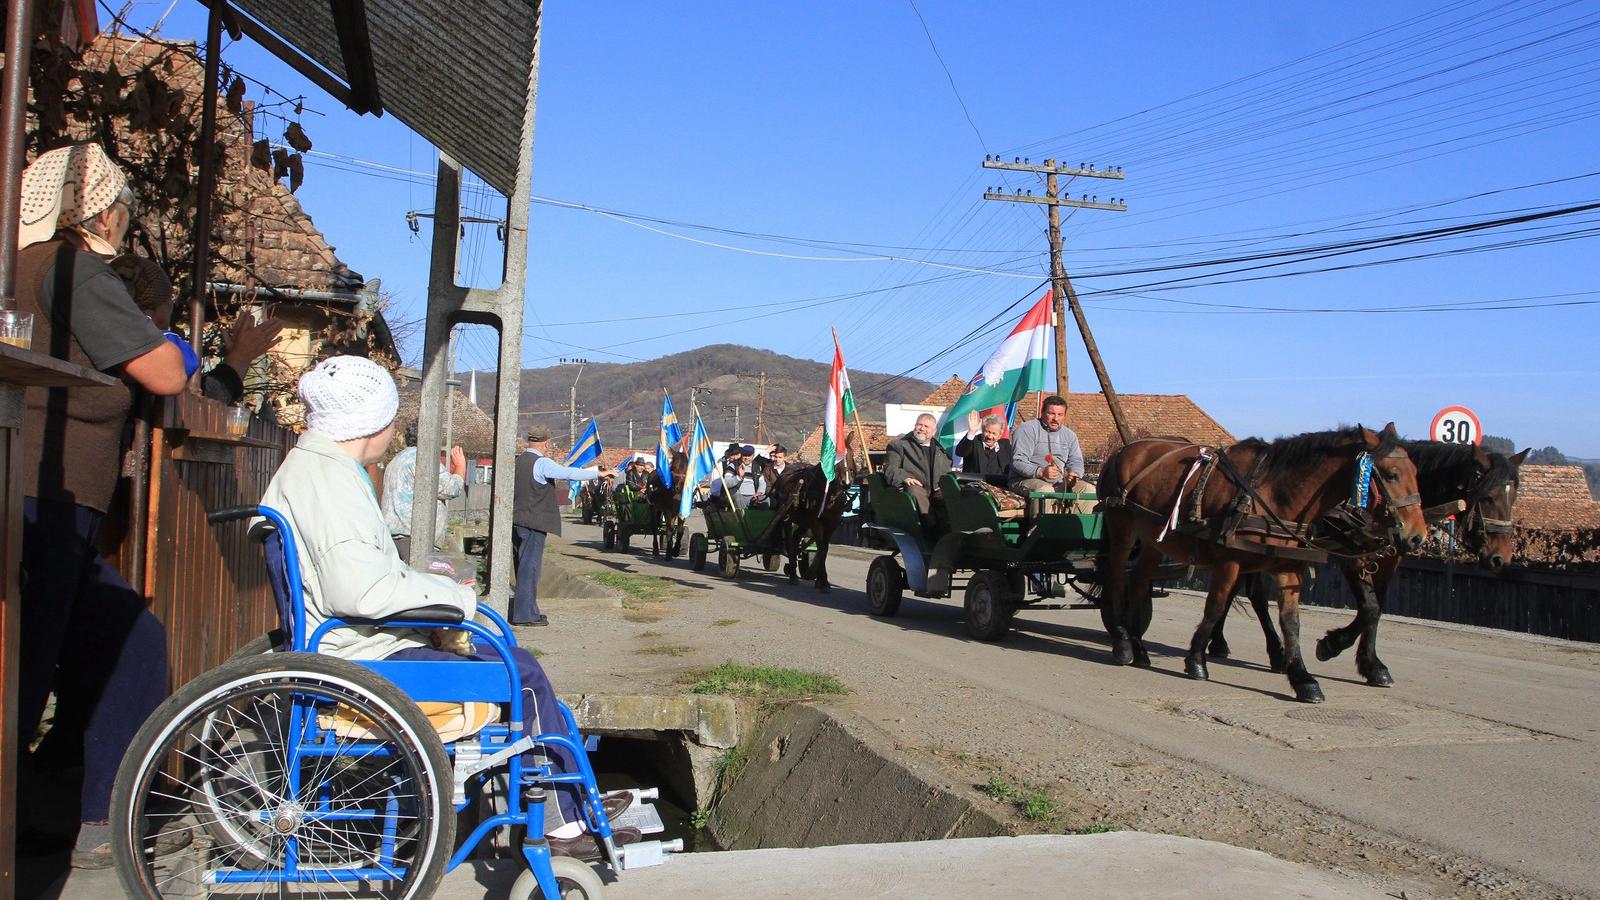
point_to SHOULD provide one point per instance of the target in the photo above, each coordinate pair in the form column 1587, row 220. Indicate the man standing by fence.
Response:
column 537, row 513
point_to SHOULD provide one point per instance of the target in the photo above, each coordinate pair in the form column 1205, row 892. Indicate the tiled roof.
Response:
column 288, row 249
column 946, row 394
column 1555, row 498
column 471, row 429
column 811, row 449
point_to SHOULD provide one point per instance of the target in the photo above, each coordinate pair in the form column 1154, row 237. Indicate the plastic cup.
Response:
column 238, row 421
column 16, row 328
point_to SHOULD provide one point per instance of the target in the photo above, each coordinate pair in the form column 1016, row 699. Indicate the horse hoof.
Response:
column 1196, row 669
column 1325, row 649
column 1141, row 658
column 1218, row 650
column 1380, row 677
column 825, row 588
column 1122, row 653
column 1310, row 692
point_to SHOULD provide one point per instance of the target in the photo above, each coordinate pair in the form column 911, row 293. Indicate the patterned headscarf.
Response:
column 67, row 187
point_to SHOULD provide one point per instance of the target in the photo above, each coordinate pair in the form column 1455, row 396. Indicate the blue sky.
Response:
column 1243, row 128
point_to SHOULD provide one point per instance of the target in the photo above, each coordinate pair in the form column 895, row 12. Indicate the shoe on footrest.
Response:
column 616, row 804
column 585, row 847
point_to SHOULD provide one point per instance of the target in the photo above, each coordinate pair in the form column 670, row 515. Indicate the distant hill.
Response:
column 616, row 392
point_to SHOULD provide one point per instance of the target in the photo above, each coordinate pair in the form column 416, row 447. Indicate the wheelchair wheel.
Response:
column 576, row 880
column 287, row 756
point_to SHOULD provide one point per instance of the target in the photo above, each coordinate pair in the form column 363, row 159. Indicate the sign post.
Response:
column 1456, row 425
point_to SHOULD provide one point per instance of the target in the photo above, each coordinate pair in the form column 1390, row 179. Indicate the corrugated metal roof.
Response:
column 455, row 72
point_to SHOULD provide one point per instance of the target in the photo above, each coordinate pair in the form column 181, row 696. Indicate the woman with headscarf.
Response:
column 77, row 612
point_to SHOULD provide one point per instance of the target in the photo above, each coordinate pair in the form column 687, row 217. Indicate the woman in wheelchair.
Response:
column 350, row 568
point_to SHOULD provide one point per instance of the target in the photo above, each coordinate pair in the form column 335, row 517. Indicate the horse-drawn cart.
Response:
column 630, row 514
column 1008, row 553
column 736, row 535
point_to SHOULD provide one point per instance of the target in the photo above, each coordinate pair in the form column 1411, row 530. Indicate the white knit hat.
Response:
column 348, row 397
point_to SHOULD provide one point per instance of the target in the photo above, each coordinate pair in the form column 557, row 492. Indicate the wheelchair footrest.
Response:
column 643, row 816
column 647, row 853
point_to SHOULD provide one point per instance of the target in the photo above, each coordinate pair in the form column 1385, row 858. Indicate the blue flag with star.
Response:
column 670, row 437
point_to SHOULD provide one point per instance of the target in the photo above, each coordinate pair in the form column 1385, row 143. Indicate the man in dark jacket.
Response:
column 536, row 514
column 984, row 452
column 915, row 463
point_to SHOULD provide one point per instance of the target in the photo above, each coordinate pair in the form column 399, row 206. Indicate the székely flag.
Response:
column 841, row 403
column 671, row 436
column 1016, row 367
column 702, row 465
column 587, row 450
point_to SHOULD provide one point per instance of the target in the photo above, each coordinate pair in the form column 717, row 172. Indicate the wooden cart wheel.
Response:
column 728, row 561
column 608, row 535
column 771, row 561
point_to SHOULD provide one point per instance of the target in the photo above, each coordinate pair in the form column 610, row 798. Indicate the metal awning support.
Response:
column 450, row 304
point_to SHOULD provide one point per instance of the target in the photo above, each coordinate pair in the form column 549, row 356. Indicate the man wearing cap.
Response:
column 742, row 484
column 350, row 569
column 536, row 514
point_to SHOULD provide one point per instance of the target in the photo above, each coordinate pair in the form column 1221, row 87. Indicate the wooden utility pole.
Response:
column 761, row 409
column 1061, row 292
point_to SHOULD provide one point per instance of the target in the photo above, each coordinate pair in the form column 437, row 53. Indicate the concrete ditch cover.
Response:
column 1383, row 723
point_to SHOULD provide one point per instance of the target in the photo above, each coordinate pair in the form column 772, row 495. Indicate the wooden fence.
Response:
column 1555, row 604
column 207, row 583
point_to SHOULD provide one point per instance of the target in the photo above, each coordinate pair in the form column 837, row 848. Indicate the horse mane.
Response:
column 1301, row 450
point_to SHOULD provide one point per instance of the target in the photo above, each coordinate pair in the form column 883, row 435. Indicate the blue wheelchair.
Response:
column 298, row 773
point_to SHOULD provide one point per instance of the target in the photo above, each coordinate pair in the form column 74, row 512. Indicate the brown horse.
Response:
column 666, row 526
column 1448, row 475
column 809, row 507
column 1275, row 505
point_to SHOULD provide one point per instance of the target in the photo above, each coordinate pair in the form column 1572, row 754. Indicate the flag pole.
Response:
column 866, row 451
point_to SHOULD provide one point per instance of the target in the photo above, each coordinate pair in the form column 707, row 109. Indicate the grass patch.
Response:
column 649, row 634
column 767, row 682
column 634, row 587
column 1035, row 806
column 701, row 818
column 1096, row 828
column 724, row 623
column 665, row 650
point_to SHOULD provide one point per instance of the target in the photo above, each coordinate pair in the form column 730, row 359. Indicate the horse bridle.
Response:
column 1386, row 501
column 1476, row 521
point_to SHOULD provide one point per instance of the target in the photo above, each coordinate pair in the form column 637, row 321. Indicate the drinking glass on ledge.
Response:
column 238, row 421
column 16, row 328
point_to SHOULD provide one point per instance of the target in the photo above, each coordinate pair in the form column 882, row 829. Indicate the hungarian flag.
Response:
column 841, row 403
column 1016, row 368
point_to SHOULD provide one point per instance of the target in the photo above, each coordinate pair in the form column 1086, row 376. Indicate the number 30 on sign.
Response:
column 1456, row 425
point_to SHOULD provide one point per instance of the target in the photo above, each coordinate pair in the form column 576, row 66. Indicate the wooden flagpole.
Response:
column 866, row 451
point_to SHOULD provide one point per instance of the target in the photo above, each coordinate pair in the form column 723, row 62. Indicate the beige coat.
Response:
column 348, row 562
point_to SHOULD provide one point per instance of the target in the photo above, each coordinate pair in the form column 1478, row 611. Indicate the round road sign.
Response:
column 1456, row 425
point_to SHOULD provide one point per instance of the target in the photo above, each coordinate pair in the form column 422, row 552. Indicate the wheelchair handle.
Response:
column 233, row 514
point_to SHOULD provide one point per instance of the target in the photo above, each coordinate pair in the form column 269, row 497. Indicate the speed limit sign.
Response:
column 1456, row 425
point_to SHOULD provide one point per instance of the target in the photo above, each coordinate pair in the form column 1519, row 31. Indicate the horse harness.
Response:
column 1351, row 529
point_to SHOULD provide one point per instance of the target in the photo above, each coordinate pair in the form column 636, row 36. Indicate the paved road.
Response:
column 1485, row 749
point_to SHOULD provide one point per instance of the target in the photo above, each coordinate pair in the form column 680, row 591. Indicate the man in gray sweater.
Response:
column 1046, row 455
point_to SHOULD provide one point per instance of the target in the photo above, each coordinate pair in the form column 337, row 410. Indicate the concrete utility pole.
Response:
column 761, row 410
column 572, row 403
column 1060, row 285
column 449, row 392
column 630, row 434
column 735, row 410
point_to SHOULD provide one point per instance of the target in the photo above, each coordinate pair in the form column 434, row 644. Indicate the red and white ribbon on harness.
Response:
column 1177, row 503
